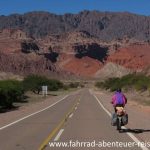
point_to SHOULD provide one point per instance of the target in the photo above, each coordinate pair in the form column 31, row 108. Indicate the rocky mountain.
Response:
column 89, row 44
column 106, row 26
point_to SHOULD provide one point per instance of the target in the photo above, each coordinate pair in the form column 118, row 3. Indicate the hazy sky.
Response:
column 74, row 6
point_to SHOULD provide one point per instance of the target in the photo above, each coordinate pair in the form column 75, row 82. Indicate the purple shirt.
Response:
column 118, row 98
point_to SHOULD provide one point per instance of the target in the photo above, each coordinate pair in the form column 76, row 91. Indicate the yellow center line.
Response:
column 55, row 130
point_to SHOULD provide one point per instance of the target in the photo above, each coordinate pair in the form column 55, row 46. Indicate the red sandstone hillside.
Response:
column 135, row 57
column 70, row 54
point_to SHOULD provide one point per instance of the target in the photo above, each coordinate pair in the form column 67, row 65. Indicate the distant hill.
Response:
column 112, row 70
column 106, row 26
column 90, row 44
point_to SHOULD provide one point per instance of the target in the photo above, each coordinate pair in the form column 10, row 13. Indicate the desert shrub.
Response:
column 54, row 85
column 112, row 84
column 142, row 83
column 35, row 82
column 138, row 82
column 66, row 87
column 74, row 84
column 99, row 84
column 10, row 91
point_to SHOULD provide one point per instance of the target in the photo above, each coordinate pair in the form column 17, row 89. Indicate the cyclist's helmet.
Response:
column 118, row 90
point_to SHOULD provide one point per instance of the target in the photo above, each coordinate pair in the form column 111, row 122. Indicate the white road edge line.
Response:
column 129, row 134
column 71, row 115
column 10, row 124
column 59, row 134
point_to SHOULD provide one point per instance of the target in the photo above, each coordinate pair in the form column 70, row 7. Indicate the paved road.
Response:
column 77, row 118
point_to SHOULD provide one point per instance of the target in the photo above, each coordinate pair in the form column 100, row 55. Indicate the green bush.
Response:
column 10, row 91
column 112, row 84
column 35, row 82
column 138, row 82
column 65, row 87
column 99, row 84
column 54, row 85
column 142, row 83
column 74, row 85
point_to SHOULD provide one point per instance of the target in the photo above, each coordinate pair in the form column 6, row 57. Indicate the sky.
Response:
column 8, row 7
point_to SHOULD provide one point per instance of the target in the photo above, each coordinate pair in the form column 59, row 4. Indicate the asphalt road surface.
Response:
column 77, row 121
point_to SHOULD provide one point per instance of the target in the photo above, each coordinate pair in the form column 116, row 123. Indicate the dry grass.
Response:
column 9, row 75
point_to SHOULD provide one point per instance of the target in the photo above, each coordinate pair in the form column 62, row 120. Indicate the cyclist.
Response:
column 118, row 99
